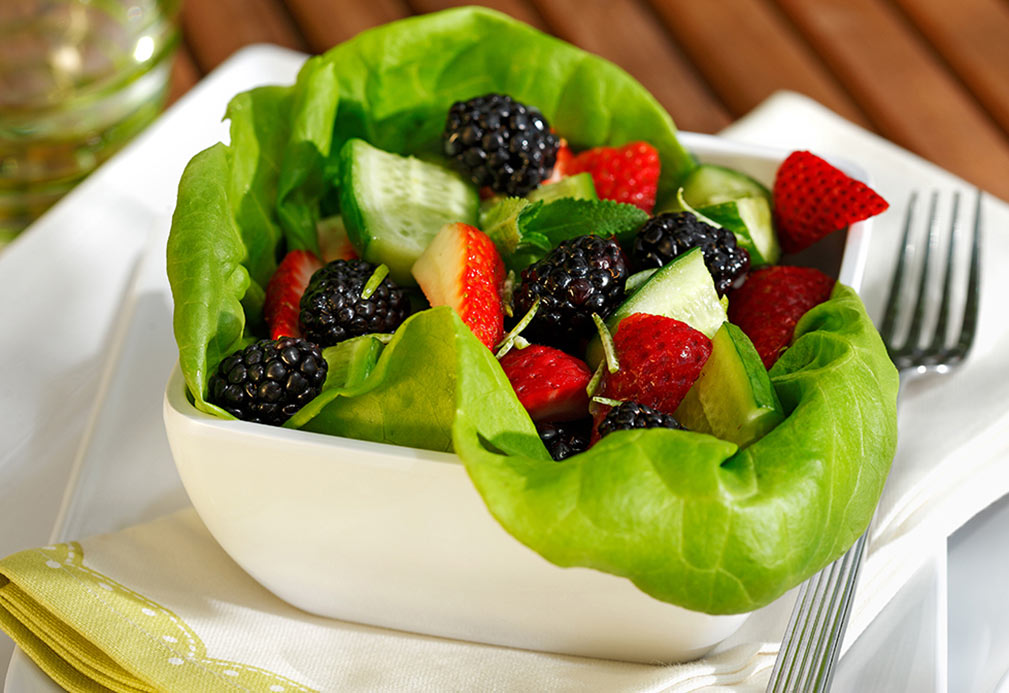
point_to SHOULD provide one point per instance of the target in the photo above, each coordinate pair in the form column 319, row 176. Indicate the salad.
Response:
column 457, row 233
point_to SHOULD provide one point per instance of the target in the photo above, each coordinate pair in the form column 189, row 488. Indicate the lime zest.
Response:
column 505, row 345
column 607, row 401
column 374, row 280
column 597, row 377
column 612, row 364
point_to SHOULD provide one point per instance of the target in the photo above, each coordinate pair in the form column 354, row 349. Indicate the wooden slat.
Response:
column 519, row 9
column 326, row 23
column 625, row 32
column 974, row 39
column 185, row 74
column 215, row 29
column 904, row 88
column 746, row 51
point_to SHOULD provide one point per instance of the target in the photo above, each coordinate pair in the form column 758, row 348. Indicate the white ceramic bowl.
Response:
column 398, row 537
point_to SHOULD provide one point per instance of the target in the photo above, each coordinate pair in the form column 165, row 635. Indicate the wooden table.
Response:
column 930, row 75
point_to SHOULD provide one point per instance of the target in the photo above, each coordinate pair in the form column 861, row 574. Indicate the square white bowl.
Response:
column 398, row 537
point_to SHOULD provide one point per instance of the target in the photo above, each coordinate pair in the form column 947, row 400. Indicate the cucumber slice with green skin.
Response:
column 733, row 398
column 638, row 279
column 682, row 290
column 394, row 205
column 579, row 186
column 749, row 219
column 711, row 185
column 352, row 361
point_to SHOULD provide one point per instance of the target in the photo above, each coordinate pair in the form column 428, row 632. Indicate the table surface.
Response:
column 932, row 80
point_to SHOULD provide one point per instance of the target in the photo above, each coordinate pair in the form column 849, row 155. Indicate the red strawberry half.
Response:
column 461, row 268
column 549, row 383
column 284, row 290
column 771, row 301
column 660, row 358
column 813, row 199
column 625, row 174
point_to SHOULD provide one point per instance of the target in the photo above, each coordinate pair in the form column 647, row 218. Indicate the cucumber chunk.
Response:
column 394, row 205
column 733, row 398
column 711, row 185
column 682, row 290
column 749, row 219
column 579, row 186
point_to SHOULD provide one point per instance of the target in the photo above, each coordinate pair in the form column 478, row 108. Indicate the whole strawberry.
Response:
column 771, row 301
column 549, row 383
column 660, row 358
column 627, row 174
column 813, row 199
column 281, row 306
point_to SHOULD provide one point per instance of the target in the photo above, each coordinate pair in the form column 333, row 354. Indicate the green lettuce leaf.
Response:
column 690, row 519
column 432, row 369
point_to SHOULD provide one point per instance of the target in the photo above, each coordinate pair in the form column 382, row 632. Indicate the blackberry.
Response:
column 270, row 380
column 665, row 236
column 581, row 276
column 500, row 143
column 628, row 415
column 563, row 440
column 332, row 309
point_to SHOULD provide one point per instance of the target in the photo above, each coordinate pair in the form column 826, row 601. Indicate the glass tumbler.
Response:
column 78, row 79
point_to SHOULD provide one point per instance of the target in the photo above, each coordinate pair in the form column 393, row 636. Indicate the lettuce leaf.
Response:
column 690, row 519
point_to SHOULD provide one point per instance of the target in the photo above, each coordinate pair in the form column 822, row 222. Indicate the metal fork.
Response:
column 812, row 641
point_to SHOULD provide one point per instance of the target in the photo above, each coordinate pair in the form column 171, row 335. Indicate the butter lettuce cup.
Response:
column 414, row 491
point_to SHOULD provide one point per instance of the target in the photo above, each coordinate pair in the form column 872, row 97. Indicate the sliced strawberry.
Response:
column 461, row 268
column 333, row 241
column 284, row 290
column 813, row 199
column 771, row 301
column 660, row 358
column 549, row 383
column 625, row 174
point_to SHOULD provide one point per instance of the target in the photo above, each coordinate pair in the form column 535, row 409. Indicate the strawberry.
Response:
column 333, row 241
column 813, row 199
column 625, row 174
column 771, row 301
column 549, row 383
column 283, row 292
column 660, row 358
column 461, row 268
column 561, row 165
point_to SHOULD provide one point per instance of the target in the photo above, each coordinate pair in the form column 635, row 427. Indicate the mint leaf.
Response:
column 542, row 227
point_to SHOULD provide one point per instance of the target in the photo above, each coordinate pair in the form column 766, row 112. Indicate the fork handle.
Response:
column 809, row 653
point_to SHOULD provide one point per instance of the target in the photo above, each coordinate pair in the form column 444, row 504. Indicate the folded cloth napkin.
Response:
column 161, row 607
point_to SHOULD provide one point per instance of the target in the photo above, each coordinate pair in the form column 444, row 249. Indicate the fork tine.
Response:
column 969, row 325
column 937, row 347
column 888, row 328
column 918, row 318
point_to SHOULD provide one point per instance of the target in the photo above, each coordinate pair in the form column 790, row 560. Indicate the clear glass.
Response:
column 78, row 79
